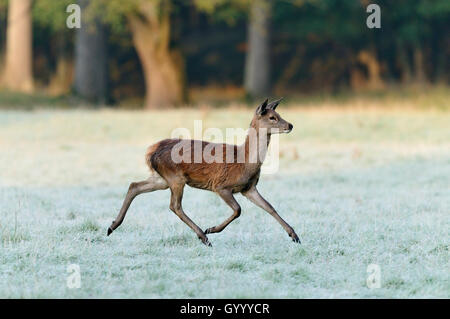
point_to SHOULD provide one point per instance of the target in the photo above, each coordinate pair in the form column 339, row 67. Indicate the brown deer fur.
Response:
column 225, row 177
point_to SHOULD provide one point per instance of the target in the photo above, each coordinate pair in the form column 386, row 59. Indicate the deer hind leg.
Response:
column 254, row 196
column 175, row 206
column 153, row 183
column 228, row 197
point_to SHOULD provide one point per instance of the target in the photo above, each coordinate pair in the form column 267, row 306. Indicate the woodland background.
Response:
column 164, row 53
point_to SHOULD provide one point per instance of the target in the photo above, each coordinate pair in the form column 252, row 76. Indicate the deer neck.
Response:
column 256, row 146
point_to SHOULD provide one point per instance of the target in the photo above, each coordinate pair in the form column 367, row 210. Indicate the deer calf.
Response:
column 228, row 174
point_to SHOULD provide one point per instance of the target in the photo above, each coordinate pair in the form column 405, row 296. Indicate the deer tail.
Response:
column 148, row 156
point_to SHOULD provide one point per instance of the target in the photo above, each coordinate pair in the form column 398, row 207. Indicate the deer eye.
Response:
column 272, row 118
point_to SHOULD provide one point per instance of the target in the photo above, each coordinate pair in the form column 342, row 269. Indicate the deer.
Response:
column 223, row 176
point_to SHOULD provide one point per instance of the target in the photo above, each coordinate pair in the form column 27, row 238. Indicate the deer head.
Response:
column 267, row 118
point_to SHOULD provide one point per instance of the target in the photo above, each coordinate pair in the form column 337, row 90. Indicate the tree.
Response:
column 419, row 29
column 49, row 18
column 18, row 74
column 149, row 23
column 91, row 68
column 150, row 27
column 257, row 63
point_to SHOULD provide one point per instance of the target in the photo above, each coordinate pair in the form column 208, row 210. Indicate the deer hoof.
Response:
column 205, row 241
column 295, row 239
column 209, row 230
column 109, row 231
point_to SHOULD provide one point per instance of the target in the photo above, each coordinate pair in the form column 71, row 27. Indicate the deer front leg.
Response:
column 228, row 197
column 254, row 196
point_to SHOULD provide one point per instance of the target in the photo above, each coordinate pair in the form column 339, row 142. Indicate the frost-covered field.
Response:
column 360, row 187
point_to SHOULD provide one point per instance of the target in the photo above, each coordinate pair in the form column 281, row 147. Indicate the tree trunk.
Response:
column 19, row 53
column 369, row 59
column 441, row 65
column 61, row 81
column 162, row 67
column 358, row 80
column 404, row 64
column 439, row 54
column 91, row 68
column 419, row 67
column 2, row 67
column 257, row 63
column 291, row 69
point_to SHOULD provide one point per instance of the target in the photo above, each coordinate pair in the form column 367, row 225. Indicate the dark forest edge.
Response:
column 307, row 46
column 433, row 97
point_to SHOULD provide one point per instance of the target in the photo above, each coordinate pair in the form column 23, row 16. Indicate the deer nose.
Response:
column 291, row 126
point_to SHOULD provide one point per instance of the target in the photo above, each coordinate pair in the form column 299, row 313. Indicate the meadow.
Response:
column 368, row 183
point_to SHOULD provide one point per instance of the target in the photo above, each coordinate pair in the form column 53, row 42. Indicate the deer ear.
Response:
column 273, row 105
column 262, row 108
